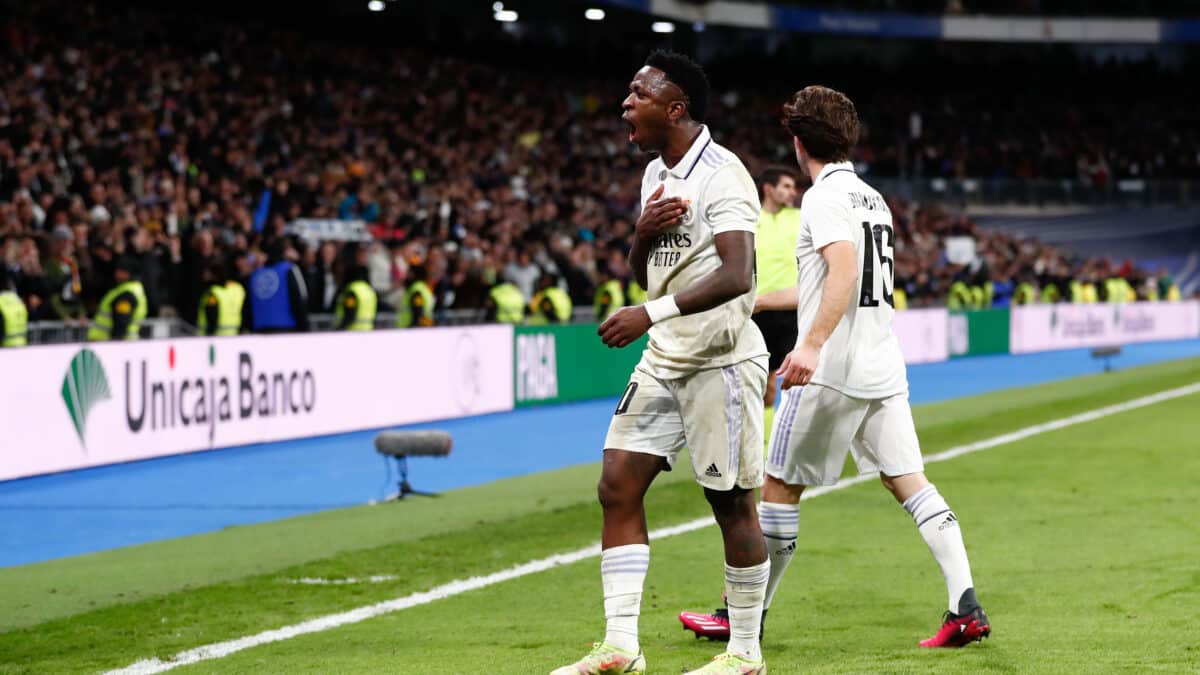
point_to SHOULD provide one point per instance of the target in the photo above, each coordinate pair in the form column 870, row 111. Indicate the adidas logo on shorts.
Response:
column 712, row 471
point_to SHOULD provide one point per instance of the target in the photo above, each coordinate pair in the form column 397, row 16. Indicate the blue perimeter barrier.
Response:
column 72, row 513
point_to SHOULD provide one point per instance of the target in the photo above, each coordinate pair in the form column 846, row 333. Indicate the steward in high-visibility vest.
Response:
column 899, row 299
column 14, row 320
column 961, row 296
column 123, row 308
column 1116, row 290
column 417, row 305
column 549, row 305
column 1083, row 292
column 1050, row 293
column 1026, row 294
column 636, row 295
column 220, row 305
column 609, row 298
column 221, row 309
column 355, row 306
column 506, row 304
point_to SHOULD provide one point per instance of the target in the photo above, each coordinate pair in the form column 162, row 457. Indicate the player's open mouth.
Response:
column 632, row 130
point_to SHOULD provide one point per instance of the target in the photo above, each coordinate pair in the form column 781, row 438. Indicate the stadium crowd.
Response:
column 179, row 150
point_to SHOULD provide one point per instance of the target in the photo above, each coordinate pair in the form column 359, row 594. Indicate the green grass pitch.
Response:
column 1083, row 541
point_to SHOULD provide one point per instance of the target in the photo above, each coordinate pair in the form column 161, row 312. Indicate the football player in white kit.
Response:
column 700, row 381
column 846, row 388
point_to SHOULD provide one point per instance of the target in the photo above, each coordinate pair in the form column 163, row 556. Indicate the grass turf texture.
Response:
column 1081, row 542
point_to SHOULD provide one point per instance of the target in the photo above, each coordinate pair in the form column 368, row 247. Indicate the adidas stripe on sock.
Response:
column 939, row 528
column 780, row 525
column 623, row 571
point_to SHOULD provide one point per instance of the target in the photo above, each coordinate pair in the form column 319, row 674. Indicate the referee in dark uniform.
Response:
column 775, row 259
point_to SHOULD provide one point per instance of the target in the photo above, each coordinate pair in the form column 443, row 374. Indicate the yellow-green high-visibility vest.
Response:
column 636, row 294
column 1050, row 294
column 1025, row 294
column 229, row 299
column 418, row 300
column 1083, row 293
column 559, row 300
column 235, row 293
column 1117, row 290
column 899, row 299
column 16, row 320
column 510, row 303
column 609, row 298
column 102, row 324
column 360, row 295
column 775, row 249
column 960, row 296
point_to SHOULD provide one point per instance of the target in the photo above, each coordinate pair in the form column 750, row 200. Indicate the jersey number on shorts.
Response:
column 877, row 252
column 626, row 399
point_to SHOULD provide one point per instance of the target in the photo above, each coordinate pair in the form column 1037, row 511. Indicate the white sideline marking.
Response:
column 321, row 581
column 221, row 649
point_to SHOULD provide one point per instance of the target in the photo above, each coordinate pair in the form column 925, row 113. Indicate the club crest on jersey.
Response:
column 689, row 215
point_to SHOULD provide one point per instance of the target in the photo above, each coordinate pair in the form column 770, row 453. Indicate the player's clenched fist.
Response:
column 627, row 325
column 798, row 366
column 659, row 214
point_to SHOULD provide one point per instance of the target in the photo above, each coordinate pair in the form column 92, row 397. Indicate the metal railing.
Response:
column 443, row 317
column 59, row 332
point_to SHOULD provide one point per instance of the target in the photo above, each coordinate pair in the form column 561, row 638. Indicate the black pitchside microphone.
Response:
column 404, row 444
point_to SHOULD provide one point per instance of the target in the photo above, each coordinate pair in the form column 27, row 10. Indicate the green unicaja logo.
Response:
column 84, row 385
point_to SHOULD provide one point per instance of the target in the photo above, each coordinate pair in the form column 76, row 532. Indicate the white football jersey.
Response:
column 721, row 198
column 862, row 357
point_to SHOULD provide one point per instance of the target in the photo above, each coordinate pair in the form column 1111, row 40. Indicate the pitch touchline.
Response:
column 222, row 649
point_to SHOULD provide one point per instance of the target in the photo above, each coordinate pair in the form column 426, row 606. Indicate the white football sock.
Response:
column 780, row 525
column 744, row 591
column 623, row 571
column 939, row 528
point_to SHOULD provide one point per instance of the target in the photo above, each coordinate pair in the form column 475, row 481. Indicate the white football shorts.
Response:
column 816, row 426
column 717, row 414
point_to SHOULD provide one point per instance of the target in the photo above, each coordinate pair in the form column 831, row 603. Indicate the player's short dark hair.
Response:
column 824, row 120
column 772, row 175
column 685, row 74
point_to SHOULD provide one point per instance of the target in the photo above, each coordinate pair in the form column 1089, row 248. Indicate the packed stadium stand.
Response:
column 189, row 161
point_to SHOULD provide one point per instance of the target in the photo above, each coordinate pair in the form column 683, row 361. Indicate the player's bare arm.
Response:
column 780, row 300
column 836, row 293
column 658, row 215
column 734, row 277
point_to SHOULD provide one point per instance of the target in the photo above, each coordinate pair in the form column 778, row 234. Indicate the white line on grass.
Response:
column 221, row 649
column 321, row 581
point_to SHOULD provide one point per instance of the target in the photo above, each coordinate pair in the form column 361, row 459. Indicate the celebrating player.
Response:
column 701, row 378
column 846, row 389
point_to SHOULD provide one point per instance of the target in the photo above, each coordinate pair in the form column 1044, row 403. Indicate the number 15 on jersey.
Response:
column 877, row 252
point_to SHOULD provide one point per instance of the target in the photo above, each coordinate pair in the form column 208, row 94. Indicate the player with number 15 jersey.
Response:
column 845, row 386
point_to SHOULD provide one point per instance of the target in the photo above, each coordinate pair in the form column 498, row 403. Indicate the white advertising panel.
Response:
column 73, row 406
column 922, row 334
column 1040, row 328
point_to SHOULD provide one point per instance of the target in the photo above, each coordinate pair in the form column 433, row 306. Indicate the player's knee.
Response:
column 905, row 486
column 614, row 494
column 729, row 507
column 779, row 492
